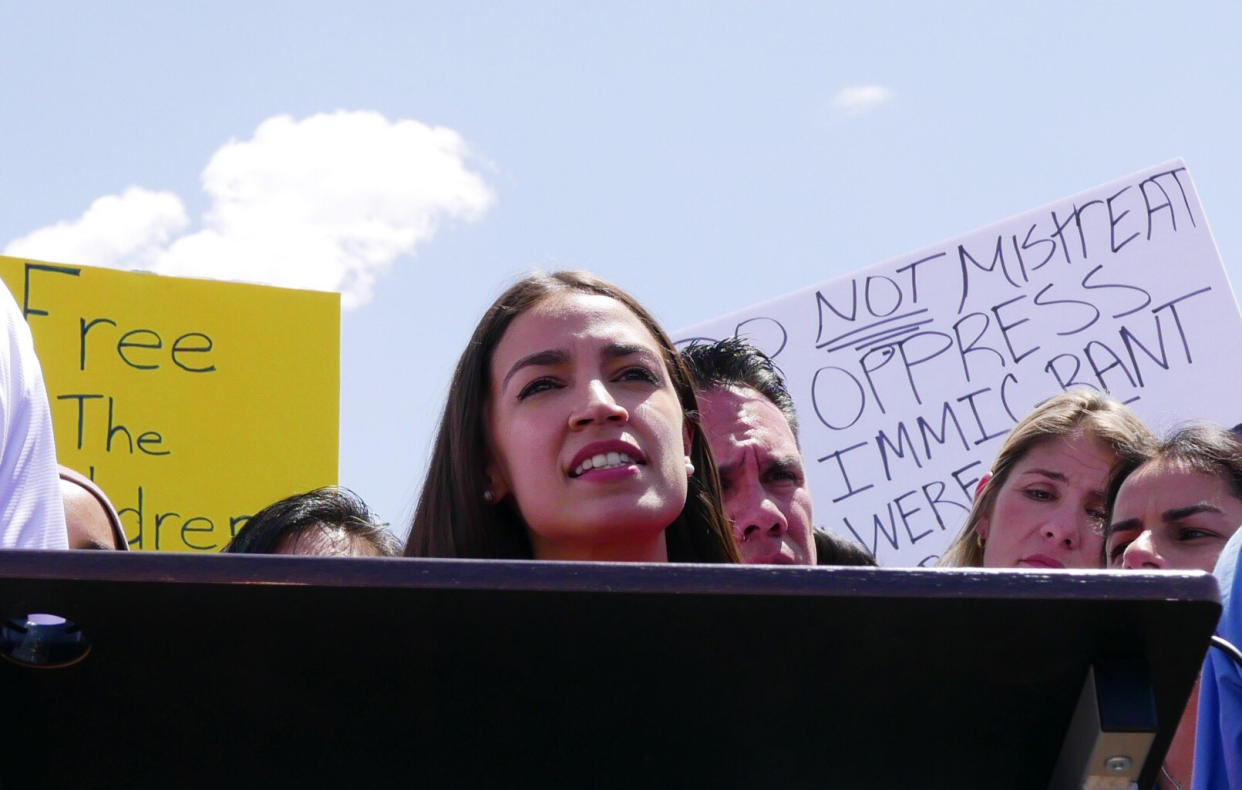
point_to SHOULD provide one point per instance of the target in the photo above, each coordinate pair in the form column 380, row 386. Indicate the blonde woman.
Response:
column 1043, row 504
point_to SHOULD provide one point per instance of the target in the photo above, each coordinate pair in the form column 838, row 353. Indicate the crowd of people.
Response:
column 575, row 430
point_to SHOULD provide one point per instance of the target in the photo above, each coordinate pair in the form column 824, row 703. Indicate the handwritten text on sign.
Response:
column 192, row 403
column 908, row 375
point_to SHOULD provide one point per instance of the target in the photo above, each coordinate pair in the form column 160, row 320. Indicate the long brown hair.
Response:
column 1093, row 413
column 452, row 520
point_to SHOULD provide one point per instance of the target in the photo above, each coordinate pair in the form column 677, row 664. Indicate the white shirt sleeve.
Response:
column 32, row 513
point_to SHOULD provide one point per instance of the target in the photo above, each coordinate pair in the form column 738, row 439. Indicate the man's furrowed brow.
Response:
column 785, row 464
column 785, row 461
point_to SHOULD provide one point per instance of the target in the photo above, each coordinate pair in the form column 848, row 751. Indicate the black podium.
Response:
column 243, row 671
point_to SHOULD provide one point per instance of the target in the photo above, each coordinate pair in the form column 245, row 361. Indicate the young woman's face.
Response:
column 1049, row 513
column 1168, row 517
column 586, row 431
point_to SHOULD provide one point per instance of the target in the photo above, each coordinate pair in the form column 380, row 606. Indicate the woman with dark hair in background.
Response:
column 570, row 432
column 325, row 522
column 1176, row 510
column 1043, row 503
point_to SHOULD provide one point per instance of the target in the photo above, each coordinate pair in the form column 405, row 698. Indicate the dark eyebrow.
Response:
column 1179, row 513
column 785, row 463
column 554, row 356
column 618, row 350
column 551, row 356
column 1175, row 514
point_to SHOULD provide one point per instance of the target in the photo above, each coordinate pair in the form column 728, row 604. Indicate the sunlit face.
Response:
column 1049, row 513
column 587, row 435
column 1169, row 517
column 761, row 476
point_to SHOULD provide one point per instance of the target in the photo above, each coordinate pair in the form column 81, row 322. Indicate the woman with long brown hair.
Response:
column 570, row 432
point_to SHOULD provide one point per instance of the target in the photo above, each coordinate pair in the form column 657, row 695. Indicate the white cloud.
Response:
column 328, row 202
column 129, row 229
column 858, row 99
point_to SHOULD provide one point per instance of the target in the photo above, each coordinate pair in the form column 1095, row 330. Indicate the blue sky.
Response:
column 705, row 156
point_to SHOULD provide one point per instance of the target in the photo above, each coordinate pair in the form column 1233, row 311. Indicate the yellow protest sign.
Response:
column 192, row 403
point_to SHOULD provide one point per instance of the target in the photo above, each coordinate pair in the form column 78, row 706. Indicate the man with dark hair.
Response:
column 327, row 522
column 748, row 417
column 833, row 549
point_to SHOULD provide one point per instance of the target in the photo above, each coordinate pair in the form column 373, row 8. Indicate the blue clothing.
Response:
column 1218, row 740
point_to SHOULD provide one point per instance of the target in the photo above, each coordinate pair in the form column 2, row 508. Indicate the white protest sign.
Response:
column 908, row 375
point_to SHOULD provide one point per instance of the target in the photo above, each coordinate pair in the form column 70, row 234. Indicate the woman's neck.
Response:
column 630, row 549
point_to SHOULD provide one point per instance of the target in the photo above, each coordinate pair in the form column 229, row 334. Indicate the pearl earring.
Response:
column 489, row 497
column 689, row 467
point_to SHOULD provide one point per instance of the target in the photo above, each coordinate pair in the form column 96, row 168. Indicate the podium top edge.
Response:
column 537, row 576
